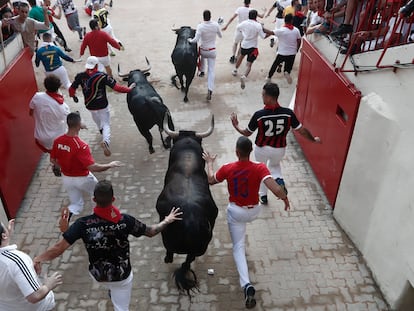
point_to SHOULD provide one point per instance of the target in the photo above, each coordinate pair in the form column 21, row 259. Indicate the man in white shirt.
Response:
column 20, row 288
column 289, row 42
column 206, row 34
column 243, row 14
column 250, row 30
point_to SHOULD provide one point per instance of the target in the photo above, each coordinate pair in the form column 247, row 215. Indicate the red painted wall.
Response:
column 327, row 104
column 18, row 153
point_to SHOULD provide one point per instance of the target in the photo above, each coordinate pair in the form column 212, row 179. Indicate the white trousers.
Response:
column 210, row 56
column 75, row 187
column 102, row 119
column 271, row 157
column 237, row 218
column 62, row 74
column 120, row 292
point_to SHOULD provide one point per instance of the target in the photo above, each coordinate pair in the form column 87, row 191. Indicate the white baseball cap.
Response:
column 91, row 62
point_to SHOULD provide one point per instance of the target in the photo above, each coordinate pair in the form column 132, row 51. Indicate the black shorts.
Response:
column 251, row 53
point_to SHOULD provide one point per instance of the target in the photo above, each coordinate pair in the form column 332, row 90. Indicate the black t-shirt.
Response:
column 273, row 125
column 107, row 244
column 94, row 88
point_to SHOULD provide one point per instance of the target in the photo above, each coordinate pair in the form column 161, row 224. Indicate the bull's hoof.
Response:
column 151, row 150
column 185, row 99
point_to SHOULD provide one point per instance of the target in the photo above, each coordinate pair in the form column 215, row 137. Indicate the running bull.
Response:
column 146, row 106
column 184, row 58
column 186, row 186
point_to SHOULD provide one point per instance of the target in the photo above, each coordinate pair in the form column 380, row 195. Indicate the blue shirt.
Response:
column 50, row 56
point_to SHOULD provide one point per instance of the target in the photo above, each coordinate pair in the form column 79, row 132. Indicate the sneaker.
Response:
column 342, row 30
column 268, row 80
column 112, row 54
column 263, row 199
column 64, row 219
column 68, row 49
column 279, row 68
column 201, row 74
column 288, row 77
column 281, row 183
column 242, row 82
column 56, row 170
column 232, row 60
column 272, row 42
column 234, row 72
column 105, row 147
column 209, row 93
column 249, row 292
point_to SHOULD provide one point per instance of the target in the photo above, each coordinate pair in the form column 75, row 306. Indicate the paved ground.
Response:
column 298, row 260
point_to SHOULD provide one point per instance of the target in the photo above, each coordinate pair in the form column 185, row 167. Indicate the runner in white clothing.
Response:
column 243, row 14
column 250, row 30
column 49, row 112
column 289, row 43
column 206, row 35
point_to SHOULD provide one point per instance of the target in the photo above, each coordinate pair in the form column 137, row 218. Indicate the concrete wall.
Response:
column 375, row 203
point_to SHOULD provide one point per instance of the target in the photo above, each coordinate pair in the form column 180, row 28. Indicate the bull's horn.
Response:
column 209, row 131
column 122, row 75
column 174, row 29
column 171, row 133
column 149, row 66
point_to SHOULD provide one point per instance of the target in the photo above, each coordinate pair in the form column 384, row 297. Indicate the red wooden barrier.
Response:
column 19, row 155
column 327, row 104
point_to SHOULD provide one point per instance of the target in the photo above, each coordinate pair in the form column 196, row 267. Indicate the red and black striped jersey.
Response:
column 273, row 126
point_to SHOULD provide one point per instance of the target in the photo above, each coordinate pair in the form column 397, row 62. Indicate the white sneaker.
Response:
column 234, row 72
column 242, row 82
column 288, row 77
column 268, row 80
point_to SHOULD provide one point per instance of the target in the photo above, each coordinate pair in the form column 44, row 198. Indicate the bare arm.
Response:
column 270, row 11
column 50, row 283
column 308, row 135
column 235, row 122
column 96, row 167
column 210, row 170
column 229, row 22
column 277, row 191
column 51, row 253
column 173, row 216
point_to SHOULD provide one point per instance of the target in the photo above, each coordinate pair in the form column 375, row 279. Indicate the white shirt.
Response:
column 250, row 30
column 242, row 13
column 18, row 280
column 206, row 34
column 288, row 40
column 50, row 118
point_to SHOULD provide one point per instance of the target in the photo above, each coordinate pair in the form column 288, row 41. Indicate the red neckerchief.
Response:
column 109, row 213
column 321, row 13
column 272, row 108
column 299, row 14
column 56, row 96
column 290, row 26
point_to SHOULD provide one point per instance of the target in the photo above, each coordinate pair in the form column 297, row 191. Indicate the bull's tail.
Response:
column 174, row 81
column 185, row 278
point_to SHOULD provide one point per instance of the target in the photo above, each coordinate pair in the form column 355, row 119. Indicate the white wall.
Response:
column 375, row 203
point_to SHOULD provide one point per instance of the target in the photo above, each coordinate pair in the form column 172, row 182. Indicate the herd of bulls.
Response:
column 185, row 184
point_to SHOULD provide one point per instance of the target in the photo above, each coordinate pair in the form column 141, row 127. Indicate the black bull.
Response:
column 146, row 106
column 186, row 186
column 184, row 58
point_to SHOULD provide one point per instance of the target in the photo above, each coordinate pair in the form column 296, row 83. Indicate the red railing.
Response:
column 377, row 25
